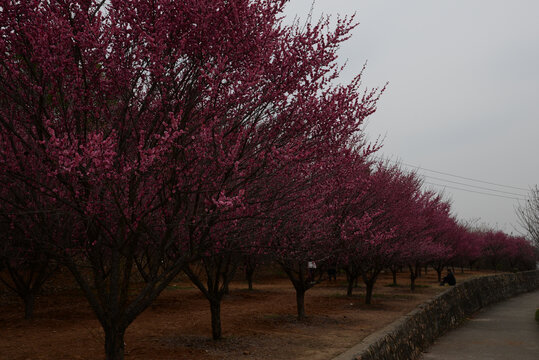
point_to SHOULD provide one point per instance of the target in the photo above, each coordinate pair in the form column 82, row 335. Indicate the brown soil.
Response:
column 258, row 324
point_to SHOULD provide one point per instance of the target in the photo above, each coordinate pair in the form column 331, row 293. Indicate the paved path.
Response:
column 503, row 331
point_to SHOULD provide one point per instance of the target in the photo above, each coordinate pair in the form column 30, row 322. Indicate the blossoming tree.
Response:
column 147, row 124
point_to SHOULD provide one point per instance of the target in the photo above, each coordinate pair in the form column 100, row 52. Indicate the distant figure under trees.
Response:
column 449, row 279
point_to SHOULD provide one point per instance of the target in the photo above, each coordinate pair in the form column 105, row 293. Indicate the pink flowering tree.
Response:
column 299, row 225
column 296, row 230
column 148, row 125
column 507, row 251
column 368, row 233
column 418, row 236
column 250, row 264
column 467, row 246
column 293, row 248
column 517, row 253
column 494, row 248
column 282, row 153
column 414, row 229
column 27, row 266
column 520, row 254
column 528, row 254
column 445, row 232
column 229, row 245
column 382, row 221
column 348, row 212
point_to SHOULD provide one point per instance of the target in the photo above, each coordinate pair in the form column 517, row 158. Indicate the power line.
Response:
column 456, row 176
column 473, row 191
column 474, row 186
column 466, row 178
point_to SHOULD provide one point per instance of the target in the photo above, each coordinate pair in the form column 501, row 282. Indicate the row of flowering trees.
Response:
column 146, row 138
column 142, row 139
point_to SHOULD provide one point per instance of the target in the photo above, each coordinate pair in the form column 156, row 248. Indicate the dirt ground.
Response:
column 259, row 324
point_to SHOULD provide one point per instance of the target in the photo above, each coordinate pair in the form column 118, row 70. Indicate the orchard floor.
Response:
column 258, row 324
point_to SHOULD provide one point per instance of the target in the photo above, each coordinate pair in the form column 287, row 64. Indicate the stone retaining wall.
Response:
column 405, row 338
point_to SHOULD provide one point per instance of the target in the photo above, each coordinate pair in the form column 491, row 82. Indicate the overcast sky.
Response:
column 463, row 94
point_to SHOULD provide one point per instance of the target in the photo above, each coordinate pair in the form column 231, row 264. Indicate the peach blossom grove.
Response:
column 143, row 139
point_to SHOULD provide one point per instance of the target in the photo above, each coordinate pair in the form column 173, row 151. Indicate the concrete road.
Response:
column 503, row 331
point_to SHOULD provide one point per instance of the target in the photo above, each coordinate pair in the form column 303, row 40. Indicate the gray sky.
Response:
column 463, row 95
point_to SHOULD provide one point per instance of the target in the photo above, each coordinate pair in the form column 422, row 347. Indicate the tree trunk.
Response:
column 114, row 344
column 439, row 272
column 300, row 301
column 249, row 276
column 29, row 302
column 350, row 288
column 394, row 273
column 413, row 276
column 368, row 296
column 351, row 280
column 215, row 307
column 418, row 270
column 300, row 282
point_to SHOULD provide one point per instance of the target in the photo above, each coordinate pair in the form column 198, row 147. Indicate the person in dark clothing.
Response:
column 449, row 279
column 332, row 272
